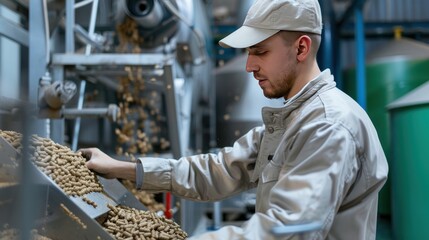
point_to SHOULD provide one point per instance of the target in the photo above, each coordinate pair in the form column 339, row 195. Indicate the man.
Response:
column 317, row 158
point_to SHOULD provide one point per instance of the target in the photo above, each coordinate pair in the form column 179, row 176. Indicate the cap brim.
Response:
column 246, row 36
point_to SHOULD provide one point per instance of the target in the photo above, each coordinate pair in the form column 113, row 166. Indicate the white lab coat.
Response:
column 317, row 158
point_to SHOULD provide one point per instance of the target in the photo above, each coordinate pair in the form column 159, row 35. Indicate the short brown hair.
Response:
column 291, row 36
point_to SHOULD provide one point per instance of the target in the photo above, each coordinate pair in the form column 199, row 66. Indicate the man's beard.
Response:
column 282, row 88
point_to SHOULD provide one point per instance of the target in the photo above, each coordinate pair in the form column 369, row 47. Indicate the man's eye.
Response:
column 259, row 52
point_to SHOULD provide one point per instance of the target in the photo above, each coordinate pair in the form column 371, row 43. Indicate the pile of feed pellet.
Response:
column 130, row 223
column 69, row 171
column 13, row 138
column 65, row 167
column 147, row 199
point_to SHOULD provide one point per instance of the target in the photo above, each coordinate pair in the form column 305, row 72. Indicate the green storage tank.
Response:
column 409, row 167
column 392, row 71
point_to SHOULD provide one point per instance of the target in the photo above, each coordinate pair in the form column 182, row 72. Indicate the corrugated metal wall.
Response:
column 379, row 11
column 396, row 10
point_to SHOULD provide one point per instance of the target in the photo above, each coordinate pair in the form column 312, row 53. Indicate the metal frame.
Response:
column 116, row 59
column 37, row 61
column 178, row 117
column 178, row 105
column 13, row 31
column 54, row 129
column 356, row 9
column 178, row 98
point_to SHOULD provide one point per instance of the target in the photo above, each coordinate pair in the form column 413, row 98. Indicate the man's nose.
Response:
column 251, row 65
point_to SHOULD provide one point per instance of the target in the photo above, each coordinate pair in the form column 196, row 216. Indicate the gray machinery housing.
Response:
column 72, row 44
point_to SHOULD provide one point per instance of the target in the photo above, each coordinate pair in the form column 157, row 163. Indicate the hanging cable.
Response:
column 47, row 35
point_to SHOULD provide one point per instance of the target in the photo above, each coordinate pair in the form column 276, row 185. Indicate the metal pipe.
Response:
column 148, row 59
column 83, row 36
column 87, row 112
column 9, row 104
column 92, row 25
column 70, row 26
column 47, row 35
column 217, row 215
column 111, row 112
column 78, row 120
column 360, row 57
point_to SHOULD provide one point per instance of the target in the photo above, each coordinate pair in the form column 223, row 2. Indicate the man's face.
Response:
column 273, row 64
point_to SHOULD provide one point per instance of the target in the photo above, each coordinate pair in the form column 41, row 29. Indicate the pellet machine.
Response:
column 95, row 67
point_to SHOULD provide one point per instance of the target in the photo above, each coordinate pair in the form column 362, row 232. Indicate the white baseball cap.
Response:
column 267, row 17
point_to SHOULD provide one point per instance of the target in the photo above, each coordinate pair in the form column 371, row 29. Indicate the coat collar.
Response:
column 324, row 81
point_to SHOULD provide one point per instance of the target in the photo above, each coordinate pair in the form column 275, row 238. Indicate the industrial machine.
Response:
column 138, row 70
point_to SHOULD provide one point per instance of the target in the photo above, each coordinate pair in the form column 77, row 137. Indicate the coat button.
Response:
column 270, row 129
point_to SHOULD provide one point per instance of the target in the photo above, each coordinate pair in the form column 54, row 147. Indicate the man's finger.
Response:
column 86, row 153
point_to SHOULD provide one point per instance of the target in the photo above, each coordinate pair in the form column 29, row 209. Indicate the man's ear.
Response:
column 304, row 46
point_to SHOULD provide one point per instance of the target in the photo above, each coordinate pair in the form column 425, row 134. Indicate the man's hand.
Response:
column 106, row 166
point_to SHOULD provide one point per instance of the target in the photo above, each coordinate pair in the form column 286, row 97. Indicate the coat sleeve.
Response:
column 315, row 170
column 206, row 177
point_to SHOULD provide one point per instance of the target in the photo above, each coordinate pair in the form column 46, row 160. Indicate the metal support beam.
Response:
column 172, row 112
column 57, row 127
column 112, row 59
column 356, row 9
column 356, row 4
column 385, row 29
column 70, row 21
column 37, row 59
column 13, row 31
column 360, row 57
